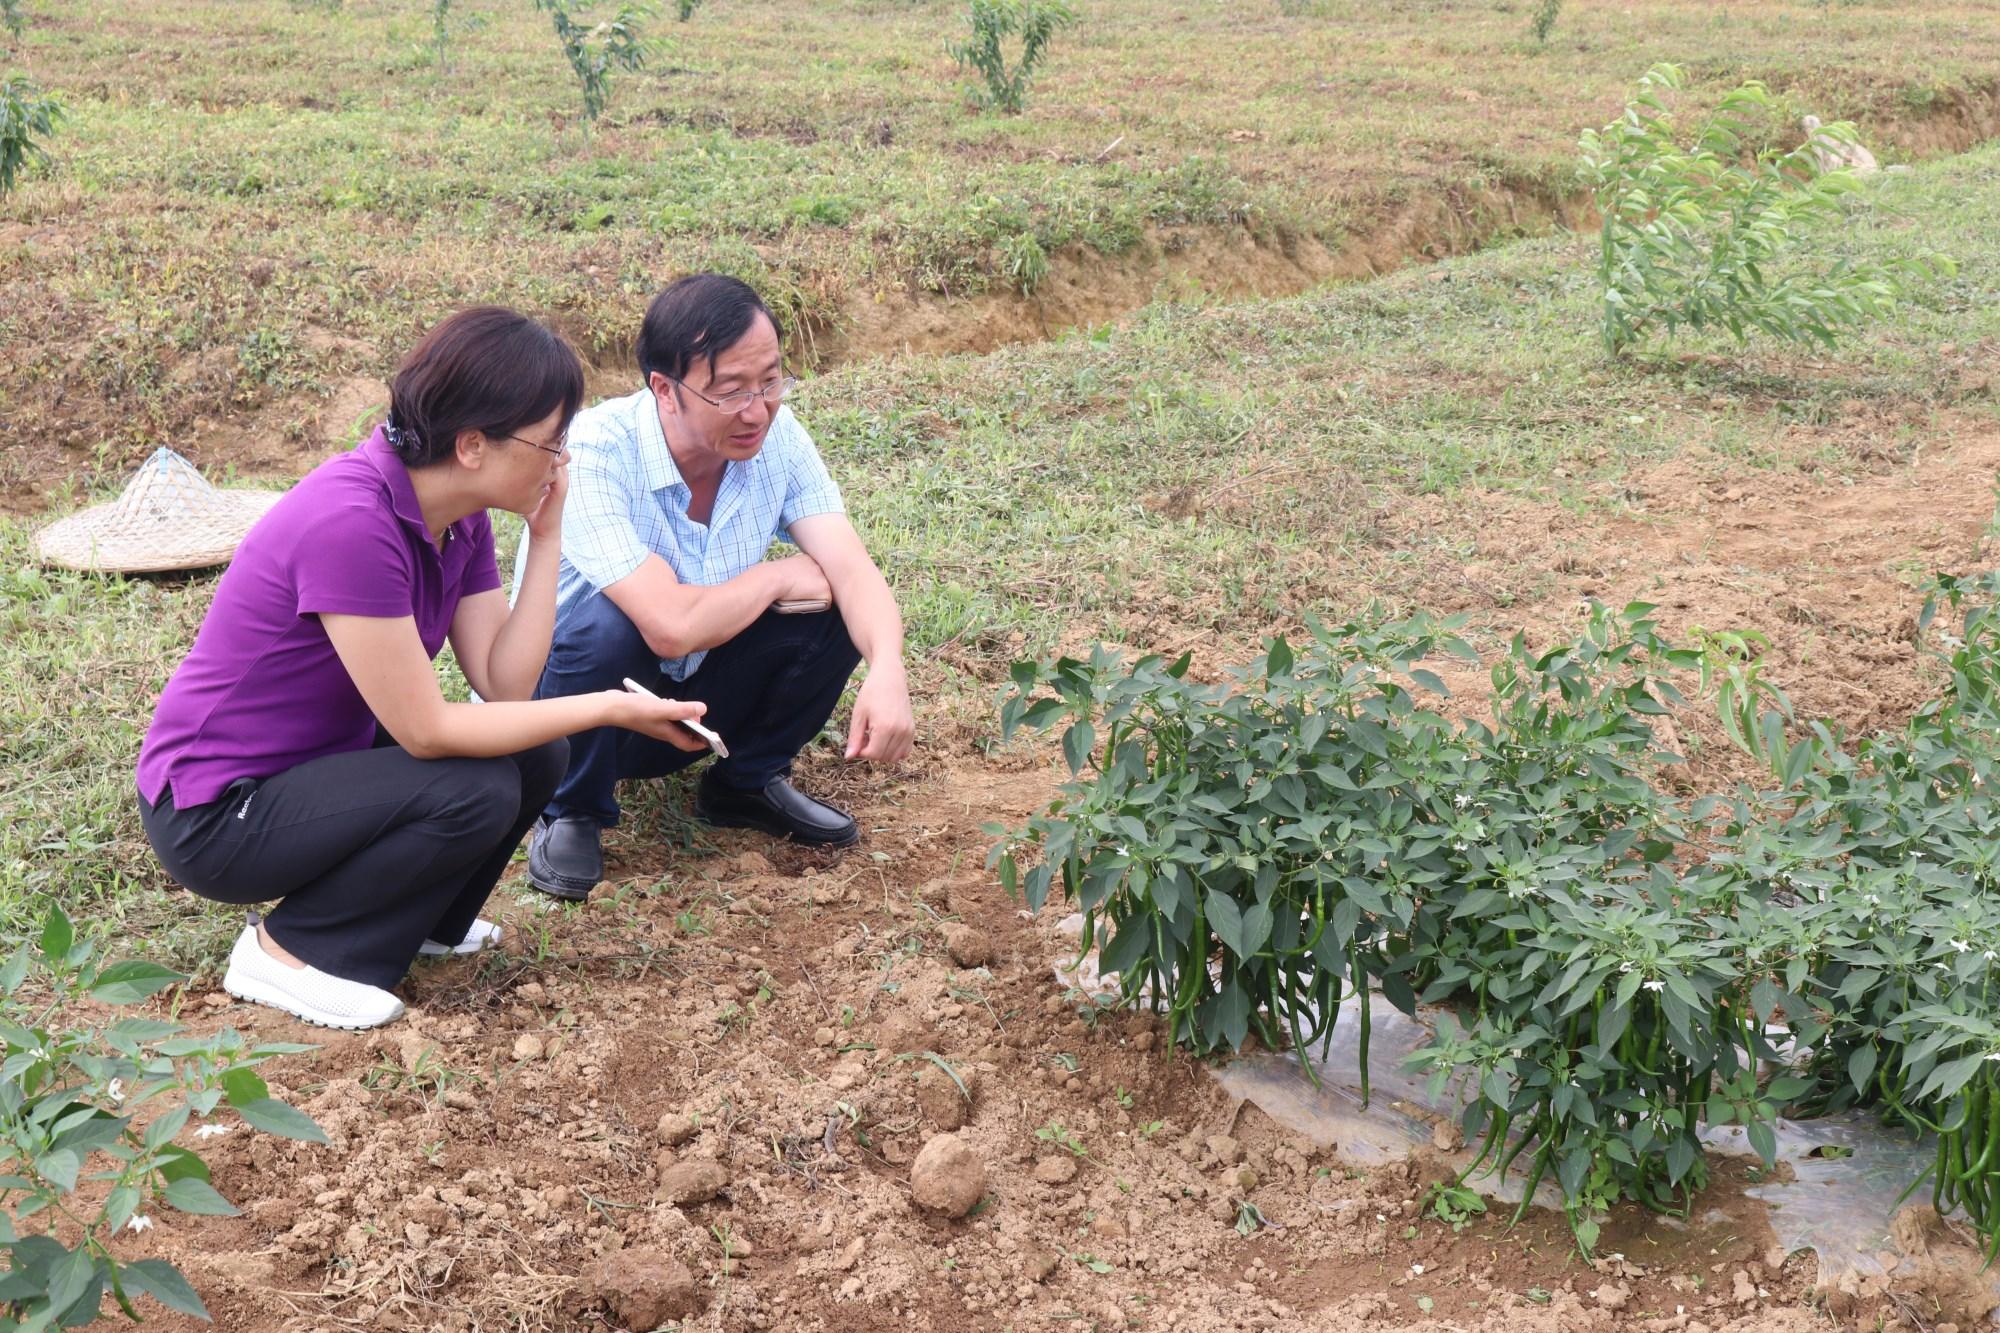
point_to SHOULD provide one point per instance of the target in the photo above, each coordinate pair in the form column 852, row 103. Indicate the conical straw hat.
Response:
column 168, row 517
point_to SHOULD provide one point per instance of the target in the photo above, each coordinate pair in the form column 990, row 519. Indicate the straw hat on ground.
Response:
column 168, row 517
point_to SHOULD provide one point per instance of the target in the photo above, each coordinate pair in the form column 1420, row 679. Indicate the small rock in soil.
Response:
column 697, row 1181
column 1613, row 1297
column 948, row 1176
column 968, row 947
column 1227, row 1150
column 1040, row 1266
column 527, row 1046
column 1055, row 1170
column 1743, row 1290
column 643, row 1287
column 675, row 1129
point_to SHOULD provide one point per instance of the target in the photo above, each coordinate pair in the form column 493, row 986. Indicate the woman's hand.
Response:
column 658, row 718
column 545, row 519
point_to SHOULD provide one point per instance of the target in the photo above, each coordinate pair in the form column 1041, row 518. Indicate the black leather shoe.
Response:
column 564, row 860
column 780, row 809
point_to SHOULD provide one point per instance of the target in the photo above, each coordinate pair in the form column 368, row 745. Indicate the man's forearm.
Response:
column 696, row 618
column 874, row 621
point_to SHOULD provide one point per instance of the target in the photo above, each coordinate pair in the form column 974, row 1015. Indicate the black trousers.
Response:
column 369, row 853
column 769, row 690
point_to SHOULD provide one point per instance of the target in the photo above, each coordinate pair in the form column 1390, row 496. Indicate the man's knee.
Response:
column 595, row 647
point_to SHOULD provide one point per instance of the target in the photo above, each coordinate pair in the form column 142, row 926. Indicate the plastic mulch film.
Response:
column 1846, row 1171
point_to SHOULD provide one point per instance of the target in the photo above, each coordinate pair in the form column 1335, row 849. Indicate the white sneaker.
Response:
column 308, row 993
column 483, row 935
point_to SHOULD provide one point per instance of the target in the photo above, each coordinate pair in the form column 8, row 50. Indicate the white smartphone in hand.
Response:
column 797, row 606
column 714, row 741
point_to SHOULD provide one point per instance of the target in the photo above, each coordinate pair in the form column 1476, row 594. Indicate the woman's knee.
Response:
column 477, row 797
column 541, row 771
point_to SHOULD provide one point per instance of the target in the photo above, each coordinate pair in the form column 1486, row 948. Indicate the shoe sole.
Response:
column 277, row 999
column 774, row 829
column 558, row 890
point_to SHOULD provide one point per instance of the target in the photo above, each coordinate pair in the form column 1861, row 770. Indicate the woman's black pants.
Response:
column 370, row 852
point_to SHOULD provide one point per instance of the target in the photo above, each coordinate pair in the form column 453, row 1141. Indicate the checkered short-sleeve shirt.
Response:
column 626, row 499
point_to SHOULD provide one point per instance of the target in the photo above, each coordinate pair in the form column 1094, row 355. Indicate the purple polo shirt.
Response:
column 262, row 690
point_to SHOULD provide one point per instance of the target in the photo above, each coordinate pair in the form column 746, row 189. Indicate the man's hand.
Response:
column 883, row 727
column 801, row 580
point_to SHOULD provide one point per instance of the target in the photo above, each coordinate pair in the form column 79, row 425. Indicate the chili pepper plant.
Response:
column 1611, row 967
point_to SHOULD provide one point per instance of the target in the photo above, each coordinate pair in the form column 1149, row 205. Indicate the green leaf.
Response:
column 1431, row 681
column 70, row 1278
column 1861, row 1067
column 244, row 1085
column 119, row 1205
column 59, row 1168
column 1281, row 659
column 275, row 1117
column 163, row 1282
column 16, row 970
column 132, row 981
column 1763, row 1141
column 177, row 1163
column 1077, row 743
column 58, row 935
column 1680, row 1159
column 1257, row 921
column 1225, row 918
column 198, row 1196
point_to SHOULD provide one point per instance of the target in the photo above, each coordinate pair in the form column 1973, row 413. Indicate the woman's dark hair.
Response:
column 487, row 369
column 701, row 315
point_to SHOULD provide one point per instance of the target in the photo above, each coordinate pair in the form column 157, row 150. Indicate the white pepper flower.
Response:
column 210, row 1131
column 1654, row 985
column 139, row 1222
column 115, row 1089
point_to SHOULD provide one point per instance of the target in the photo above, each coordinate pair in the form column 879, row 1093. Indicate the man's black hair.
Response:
column 699, row 316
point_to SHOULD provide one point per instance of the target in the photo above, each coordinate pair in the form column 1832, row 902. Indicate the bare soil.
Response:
column 699, row 1100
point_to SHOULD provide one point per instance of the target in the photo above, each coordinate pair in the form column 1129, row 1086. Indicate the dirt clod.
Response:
column 940, row 1099
column 695, row 1181
column 644, row 1288
column 1055, row 1170
column 967, row 946
column 948, row 1176
column 675, row 1129
column 528, row 1046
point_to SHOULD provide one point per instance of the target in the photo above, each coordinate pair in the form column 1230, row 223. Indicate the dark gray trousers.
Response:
column 368, row 853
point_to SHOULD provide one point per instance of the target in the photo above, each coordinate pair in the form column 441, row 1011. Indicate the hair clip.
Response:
column 403, row 441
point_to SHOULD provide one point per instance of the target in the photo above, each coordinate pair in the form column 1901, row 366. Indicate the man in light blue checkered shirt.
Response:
column 676, row 493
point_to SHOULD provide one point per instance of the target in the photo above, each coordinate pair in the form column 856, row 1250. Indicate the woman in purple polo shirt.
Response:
column 303, row 751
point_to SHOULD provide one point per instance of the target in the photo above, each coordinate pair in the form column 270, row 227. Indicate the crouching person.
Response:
column 680, row 489
column 303, row 751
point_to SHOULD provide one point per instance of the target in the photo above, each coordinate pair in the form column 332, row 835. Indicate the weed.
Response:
column 1061, row 1136
column 1458, row 1205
